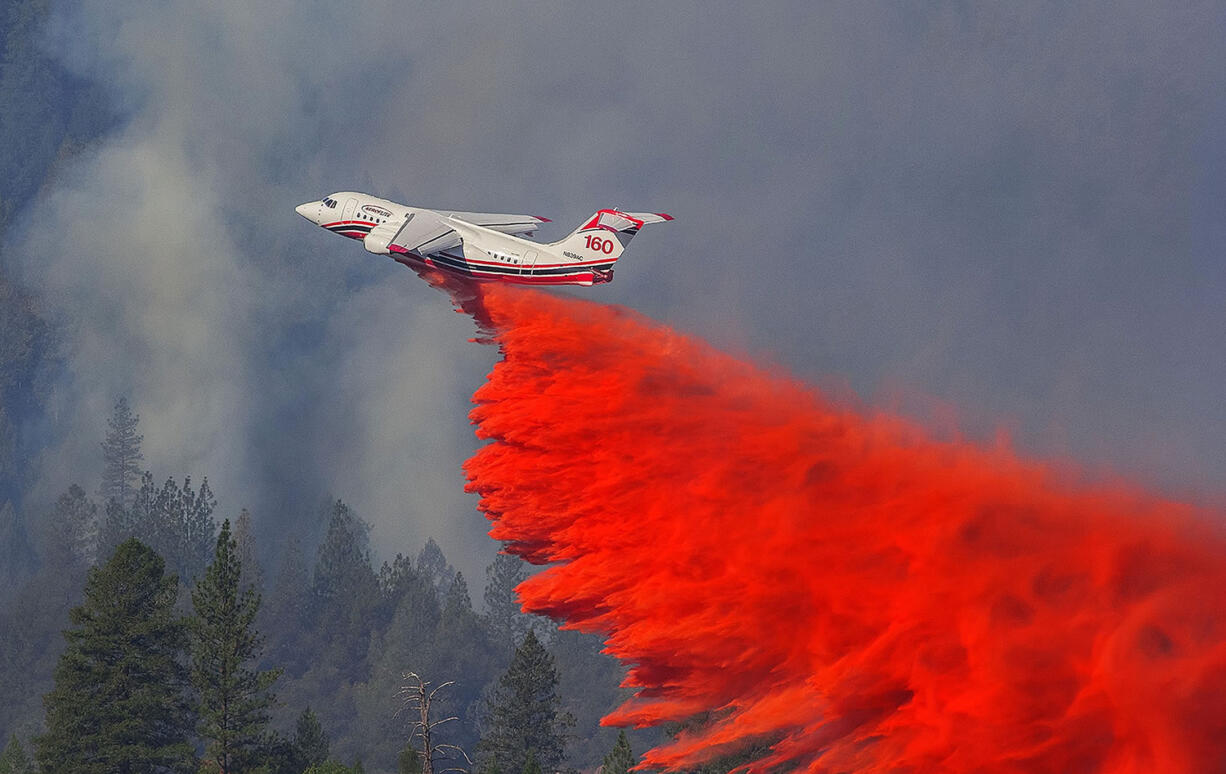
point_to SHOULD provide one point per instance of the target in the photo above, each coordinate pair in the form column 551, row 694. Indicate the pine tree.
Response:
column 287, row 610
column 310, row 741
column 346, row 594
column 395, row 580
column 620, row 759
column 408, row 762
column 119, row 703
column 507, row 623
column 408, row 641
column 193, row 527
column 121, row 455
column 433, row 566
column 14, row 759
column 67, row 537
column 174, row 521
column 343, row 564
column 234, row 698
column 463, row 648
column 524, row 714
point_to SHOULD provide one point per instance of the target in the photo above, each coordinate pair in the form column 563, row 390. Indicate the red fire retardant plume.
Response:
column 838, row 586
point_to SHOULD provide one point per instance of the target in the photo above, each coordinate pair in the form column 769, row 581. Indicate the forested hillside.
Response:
column 334, row 636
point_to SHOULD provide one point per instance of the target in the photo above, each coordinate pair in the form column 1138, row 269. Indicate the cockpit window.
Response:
column 330, row 202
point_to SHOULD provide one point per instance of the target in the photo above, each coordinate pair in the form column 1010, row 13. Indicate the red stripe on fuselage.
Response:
column 582, row 278
column 540, row 265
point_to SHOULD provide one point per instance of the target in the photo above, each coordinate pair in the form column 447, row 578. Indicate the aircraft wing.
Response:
column 426, row 232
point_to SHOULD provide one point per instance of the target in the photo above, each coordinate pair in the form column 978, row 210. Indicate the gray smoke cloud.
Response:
column 1013, row 210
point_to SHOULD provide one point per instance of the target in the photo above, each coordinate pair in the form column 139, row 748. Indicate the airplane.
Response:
column 481, row 246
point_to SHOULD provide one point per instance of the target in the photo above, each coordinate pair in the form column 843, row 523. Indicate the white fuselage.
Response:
column 479, row 246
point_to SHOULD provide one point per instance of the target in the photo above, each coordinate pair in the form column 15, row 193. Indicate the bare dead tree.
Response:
column 417, row 698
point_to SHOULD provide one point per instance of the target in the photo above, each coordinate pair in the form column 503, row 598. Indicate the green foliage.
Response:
column 506, row 622
column 407, row 642
column 433, row 566
column 342, row 569
column 234, row 698
column 119, row 701
column 67, row 534
column 14, row 759
column 347, row 650
column 588, row 684
column 310, row 741
column 524, row 714
column 35, row 610
column 332, row 767
column 175, row 521
column 620, row 759
column 287, row 611
column 121, row 456
column 345, row 599
column 408, row 762
column 530, row 765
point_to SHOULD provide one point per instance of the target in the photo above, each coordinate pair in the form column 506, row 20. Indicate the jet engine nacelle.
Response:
column 376, row 242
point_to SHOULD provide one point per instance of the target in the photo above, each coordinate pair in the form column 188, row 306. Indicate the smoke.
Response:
column 1003, row 205
column 837, row 584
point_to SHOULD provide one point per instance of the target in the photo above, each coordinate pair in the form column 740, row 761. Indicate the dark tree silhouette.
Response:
column 234, row 697
column 121, row 456
column 120, row 698
column 524, row 721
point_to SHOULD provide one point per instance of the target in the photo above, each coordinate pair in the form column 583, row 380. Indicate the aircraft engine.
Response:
column 376, row 242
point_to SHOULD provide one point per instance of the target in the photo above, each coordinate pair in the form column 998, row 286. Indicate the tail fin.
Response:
column 606, row 234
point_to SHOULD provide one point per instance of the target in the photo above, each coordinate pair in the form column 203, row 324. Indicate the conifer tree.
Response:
column 14, row 759
column 121, row 455
column 408, row 762
column 234, row 698
column 343, row 567
column 620, row 759
column 287, row 610
column 68, row 534
column 433, row 566
column 346, row 592
column 524, row 714
column 310, row 741
column 192, row 526
column 462, row 647
column 119, row 703
column 507, row 623
column 177, row 522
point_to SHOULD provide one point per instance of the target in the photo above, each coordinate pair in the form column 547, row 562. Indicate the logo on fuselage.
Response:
column 377, row 211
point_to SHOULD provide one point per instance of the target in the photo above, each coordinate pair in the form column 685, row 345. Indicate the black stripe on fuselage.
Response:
column 350, row 227
column 457, row 263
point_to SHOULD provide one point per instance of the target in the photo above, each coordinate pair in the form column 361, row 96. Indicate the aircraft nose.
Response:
column 308, row 210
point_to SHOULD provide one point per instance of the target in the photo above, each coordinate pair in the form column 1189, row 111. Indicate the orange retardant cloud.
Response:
column 839, row 586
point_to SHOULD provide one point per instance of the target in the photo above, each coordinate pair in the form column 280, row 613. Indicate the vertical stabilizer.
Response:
column 606, row 234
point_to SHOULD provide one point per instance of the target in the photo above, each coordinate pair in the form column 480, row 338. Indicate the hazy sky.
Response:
column 1009, row 213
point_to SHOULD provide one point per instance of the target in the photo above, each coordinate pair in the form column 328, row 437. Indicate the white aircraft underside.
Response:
column 481, row 245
